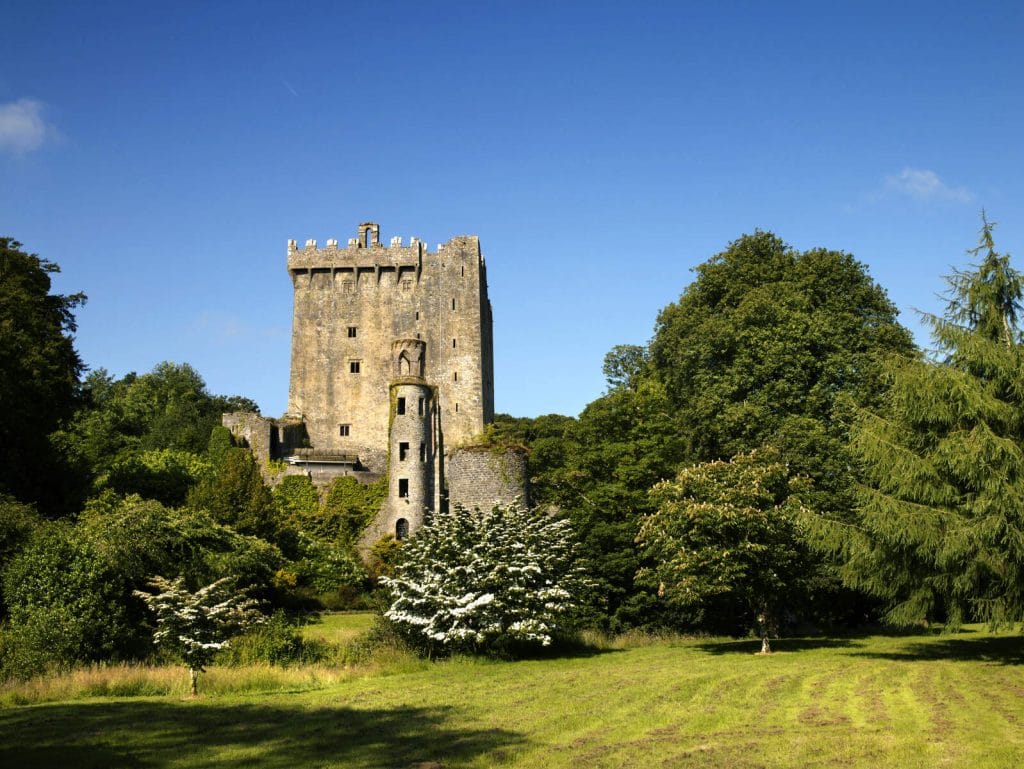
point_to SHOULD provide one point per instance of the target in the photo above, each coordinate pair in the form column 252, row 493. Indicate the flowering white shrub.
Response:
column 198, row 624
column 472, row 580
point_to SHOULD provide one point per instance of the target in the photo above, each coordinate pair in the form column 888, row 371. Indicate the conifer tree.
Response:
column 941, row 515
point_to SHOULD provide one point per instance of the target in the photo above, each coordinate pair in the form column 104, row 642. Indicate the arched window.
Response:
column 401, row 529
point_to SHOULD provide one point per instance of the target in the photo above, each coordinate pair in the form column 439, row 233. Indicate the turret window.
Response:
column 401, row 529
column 423, row 452
column 351, row 332
column 403, row 451
column 419, row 408
column 400, row 406
column 453, row 343
column 403, row 488
column 353, row 367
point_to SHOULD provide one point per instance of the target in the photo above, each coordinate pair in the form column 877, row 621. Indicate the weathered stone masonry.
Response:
column 391, row 369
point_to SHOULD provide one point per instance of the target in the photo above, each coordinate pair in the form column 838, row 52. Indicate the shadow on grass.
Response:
column 1003, row 650
column 753, row 645
column 147, row 734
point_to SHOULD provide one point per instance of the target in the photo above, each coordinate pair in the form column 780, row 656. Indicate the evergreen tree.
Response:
column 941, row 517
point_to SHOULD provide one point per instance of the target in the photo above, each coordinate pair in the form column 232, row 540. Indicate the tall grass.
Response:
column 367, row 651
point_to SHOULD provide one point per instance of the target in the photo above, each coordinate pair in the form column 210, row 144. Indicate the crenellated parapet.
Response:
column 367, row 253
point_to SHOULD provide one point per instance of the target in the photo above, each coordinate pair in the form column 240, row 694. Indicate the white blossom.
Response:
column 470, row 579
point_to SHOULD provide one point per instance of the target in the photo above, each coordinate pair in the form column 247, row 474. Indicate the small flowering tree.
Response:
column 198, row 624
column 473, row 581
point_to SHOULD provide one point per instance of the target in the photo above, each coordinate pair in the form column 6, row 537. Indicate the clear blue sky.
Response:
column 164, row 153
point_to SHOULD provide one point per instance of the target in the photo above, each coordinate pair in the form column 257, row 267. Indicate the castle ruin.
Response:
column 392, row 365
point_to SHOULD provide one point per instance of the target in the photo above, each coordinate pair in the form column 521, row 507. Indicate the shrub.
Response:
column 66, row 604
column 485, row 581
column 274, row 642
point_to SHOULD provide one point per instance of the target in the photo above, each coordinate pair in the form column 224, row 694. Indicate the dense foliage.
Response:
column 940, row 532
column 39, row 377
column 485, row 581
column 767, row 346
column 724, row 543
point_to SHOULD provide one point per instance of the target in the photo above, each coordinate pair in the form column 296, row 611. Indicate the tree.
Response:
column 39, row 377
column 145, row 434
column 485, row 581
column 17, row 522
column 624, row 443
column 765, row 346
column 623, row 365
column 724, row 541
column 198, row 625
column 235, row 495
column 940, row 531
column 164, row 475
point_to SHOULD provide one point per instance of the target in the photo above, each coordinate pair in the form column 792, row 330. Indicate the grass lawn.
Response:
column 874, row 701
column 338, row 627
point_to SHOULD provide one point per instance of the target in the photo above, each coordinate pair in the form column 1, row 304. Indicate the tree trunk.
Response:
column 764, row 626
column 193, row 676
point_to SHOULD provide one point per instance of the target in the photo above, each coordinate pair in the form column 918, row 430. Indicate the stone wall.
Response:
column 253, row 431
column 352, row 302
column 480, row 476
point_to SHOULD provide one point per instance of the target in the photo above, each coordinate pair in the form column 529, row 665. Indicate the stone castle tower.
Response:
column 391, row 373
column 353, row 303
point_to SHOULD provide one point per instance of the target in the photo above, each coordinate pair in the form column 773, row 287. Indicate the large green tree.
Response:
column 767, row 345
column 39, row 376
column 941, row 517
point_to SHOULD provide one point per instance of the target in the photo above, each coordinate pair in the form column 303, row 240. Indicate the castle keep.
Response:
column 391, row 373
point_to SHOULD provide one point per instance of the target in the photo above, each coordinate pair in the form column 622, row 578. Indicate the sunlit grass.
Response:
column 636, row 701
column 338, row 627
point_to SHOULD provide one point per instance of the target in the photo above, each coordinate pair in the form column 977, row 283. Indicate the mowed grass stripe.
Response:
column 907, row 701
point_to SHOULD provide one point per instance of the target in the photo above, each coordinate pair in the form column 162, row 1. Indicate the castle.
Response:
column 392, row 374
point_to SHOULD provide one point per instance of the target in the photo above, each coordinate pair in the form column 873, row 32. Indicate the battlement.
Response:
column 366, row 250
